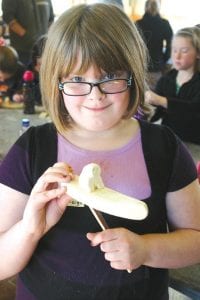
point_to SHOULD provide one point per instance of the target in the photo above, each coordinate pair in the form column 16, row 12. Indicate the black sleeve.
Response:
column 29, row 157
column 188, row 97
column 184, row 168
column 15, row 170
column 159, row 111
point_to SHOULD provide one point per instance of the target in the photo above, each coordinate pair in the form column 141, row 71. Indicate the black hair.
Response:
column 38, row 49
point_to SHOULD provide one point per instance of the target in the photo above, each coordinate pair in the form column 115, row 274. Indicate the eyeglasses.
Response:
column 110, row 86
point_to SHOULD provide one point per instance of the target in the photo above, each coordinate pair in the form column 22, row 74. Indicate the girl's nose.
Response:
column 177, row 54
column 96, row 94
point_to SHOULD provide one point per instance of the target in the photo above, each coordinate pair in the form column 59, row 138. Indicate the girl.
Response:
column 92, row 84
column 177, row 95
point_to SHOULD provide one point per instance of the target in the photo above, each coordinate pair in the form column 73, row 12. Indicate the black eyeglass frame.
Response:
column 98, row 84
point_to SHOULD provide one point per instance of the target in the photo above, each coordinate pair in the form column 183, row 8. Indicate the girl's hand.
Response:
column 18, row 98
column 154, row 99
column 124, row 249
column 47, row 201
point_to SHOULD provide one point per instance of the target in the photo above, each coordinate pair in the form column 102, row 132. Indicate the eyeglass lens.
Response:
column 84, row 88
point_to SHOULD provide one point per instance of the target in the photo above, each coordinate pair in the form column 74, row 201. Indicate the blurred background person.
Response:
column 11, row 72
column 157, row 34
column 34, row 67
column 36, row 59
column 177, row 94
column 27, row 21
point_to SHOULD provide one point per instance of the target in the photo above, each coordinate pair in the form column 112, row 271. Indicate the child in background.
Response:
column 11, row 72
column 35, row 67
column 177, row 94
column 92, row 82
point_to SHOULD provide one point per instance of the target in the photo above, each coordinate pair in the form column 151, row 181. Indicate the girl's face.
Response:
column 184, row 55
column 96, row 111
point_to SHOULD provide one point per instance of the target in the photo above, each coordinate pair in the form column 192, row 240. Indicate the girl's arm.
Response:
column 187, row 99
column 16, row 245
column 180, row 247
column 25, row 219
column 155, row 99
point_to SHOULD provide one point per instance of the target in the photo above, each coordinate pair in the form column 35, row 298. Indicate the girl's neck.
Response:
column 184, row 76
column 110, row 139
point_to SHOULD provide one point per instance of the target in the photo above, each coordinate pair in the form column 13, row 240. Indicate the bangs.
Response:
column 89, row 52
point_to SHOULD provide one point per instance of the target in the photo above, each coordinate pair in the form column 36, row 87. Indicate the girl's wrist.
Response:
column 29, row 233
column 163, row 102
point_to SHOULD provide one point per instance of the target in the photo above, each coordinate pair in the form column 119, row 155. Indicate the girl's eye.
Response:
column 77, row 79
column 110, row 76
column 184, row 50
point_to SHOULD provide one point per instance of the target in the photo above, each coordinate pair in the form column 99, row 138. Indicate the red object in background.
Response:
column 29, row 101
column 28, row 76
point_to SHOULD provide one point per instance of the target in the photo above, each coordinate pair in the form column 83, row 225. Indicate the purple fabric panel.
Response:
column 14, row 170
column 184, row 170
column 115, row 165
column 22, row 293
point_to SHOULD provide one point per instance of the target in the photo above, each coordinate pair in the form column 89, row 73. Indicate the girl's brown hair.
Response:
column 105, row 37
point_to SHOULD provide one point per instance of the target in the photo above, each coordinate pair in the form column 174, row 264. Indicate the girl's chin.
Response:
column 177, row 67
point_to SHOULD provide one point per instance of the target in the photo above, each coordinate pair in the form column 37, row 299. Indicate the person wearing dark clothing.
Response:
column 34, row 66
column 27, row 21
column 183, row 113
column 157, row 34
column 177, row 94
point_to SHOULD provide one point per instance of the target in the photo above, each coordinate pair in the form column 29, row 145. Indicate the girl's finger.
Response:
column 47, row 186
column 46, row 196
column 49, row 178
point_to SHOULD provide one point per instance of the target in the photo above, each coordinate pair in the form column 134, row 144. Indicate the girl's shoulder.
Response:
column 46, row 131
column 196, row 76
column 167, row 155
column 158, row 141
column 172, row 73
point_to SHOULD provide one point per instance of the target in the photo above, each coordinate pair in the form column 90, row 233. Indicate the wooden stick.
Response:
column 102, row 222
column 100, row 219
